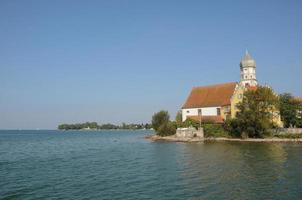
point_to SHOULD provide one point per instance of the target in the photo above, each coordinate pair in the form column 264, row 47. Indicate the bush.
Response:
column 210, row 129
column 214, row 130
column 289, row 111
column 188, row 123
column 162, row 124
column 166, row 129
column 160, row 118
column 232, row 127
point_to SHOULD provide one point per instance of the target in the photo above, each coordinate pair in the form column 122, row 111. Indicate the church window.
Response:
column 188, row 111
column 199, row 112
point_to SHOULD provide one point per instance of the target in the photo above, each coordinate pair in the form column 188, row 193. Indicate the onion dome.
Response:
column 247, row 61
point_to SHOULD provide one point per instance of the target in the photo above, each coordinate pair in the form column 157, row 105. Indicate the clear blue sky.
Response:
column 121, row 61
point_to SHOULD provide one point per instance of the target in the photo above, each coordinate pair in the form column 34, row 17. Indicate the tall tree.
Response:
column 162, row 124
column 256, row 112
column 160, row 118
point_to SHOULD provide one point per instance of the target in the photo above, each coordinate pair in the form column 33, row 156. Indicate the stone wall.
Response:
column 189, row 132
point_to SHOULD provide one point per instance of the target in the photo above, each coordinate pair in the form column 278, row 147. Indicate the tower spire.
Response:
column 248, row 70
column 246, row 52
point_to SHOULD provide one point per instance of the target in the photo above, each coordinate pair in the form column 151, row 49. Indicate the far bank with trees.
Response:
column 108, row 126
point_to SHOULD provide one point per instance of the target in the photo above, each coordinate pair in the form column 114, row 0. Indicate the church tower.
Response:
column 248, row 71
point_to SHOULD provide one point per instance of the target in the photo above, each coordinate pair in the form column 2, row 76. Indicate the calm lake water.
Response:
column 124, row 165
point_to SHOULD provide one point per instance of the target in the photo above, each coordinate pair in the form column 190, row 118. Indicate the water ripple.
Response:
column 123, row 165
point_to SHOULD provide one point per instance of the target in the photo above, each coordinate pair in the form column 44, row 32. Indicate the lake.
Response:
column 124, row 165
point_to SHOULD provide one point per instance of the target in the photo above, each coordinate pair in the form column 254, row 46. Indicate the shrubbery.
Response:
column 189, row 123
column 162, row 124
column 210, row 129
column 166, row 129
column 290, row 110
column 214, row 130
column 232, row 127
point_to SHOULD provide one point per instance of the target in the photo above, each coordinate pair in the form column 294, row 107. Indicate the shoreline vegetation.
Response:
column 254, row 121
column 93, row 126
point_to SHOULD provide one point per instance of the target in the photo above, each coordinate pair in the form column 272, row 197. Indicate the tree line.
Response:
column 108, row 126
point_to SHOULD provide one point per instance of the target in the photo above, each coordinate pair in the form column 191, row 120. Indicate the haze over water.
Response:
column 124, row 165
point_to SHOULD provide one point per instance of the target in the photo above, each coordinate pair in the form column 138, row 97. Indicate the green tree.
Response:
column 256, row 111
column 162, row 124
column 166, row 129
column 160, row 118
column 232, row 127
column 289, row 110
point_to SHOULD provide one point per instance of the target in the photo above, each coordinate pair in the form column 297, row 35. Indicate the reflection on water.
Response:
column 124, row 165
column 238, row 170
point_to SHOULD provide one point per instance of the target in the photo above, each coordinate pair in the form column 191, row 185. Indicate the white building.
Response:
column 209, row 103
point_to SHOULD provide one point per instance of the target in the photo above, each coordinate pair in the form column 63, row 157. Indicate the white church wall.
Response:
column 207, row 111
column 210, row 111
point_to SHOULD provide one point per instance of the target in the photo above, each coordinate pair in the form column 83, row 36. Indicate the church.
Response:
column 216, row 103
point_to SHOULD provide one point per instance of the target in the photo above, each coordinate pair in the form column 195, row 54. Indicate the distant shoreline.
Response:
column 173, row 138
column 95, row 126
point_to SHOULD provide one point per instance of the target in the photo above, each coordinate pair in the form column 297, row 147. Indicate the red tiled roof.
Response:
column 205, row 118
column 212, row 95
column 253, row 88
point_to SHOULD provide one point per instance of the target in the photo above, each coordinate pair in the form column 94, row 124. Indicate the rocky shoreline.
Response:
column 174, row 138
